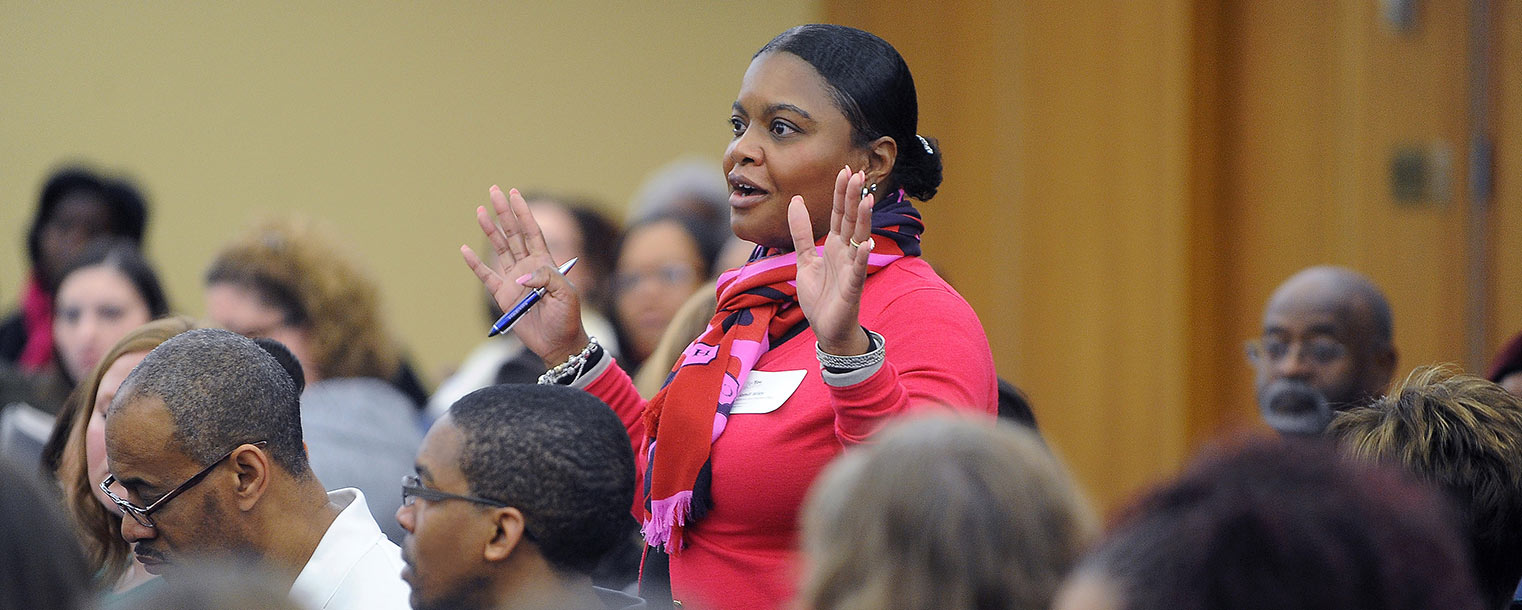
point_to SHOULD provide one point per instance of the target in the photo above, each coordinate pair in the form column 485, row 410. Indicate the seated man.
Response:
column 520, row 491
column 206, row 457
column 1327, row 345
column 1460, row 433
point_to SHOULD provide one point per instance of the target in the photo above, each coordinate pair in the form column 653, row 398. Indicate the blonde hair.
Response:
column 943, row 512
column 1464, row 434
column 100, row 527
column 293, row 265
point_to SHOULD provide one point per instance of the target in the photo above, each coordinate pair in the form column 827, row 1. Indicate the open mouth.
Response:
column 743, row 191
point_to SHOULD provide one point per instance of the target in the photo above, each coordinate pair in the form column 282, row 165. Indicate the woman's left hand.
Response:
column 830, row 281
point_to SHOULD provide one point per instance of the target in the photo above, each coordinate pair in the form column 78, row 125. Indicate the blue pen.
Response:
column 506, row 322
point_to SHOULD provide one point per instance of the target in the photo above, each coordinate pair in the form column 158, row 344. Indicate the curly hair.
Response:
column 99, row 527
column 293, row 266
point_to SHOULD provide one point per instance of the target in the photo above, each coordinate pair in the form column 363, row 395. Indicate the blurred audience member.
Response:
column 79, row 457
column 1463, row 434
column 41, row 567
column 943, row 512
column 287, row 281
column 76, row 207
column 206, row 460
column 661, row 261
column 217, row 585
column 572, row 229
column 102, row 295
column 1506, row 368
column 1327, row 345
column 694, row 189
column 105, row 292
column 1279, row 525
column 520, row 491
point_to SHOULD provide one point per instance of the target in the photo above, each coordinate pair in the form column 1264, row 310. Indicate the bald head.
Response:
column 1327, row 331
column 1349, row 293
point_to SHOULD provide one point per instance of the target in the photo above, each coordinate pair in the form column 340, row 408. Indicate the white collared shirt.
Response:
column 354, row 567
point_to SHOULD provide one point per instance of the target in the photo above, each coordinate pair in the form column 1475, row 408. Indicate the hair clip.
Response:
column 926, row 144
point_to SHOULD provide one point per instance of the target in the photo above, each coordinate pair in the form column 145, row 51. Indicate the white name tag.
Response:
column 764, row 391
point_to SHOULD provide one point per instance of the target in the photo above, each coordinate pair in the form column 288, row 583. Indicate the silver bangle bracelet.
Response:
column 571, row 368
column 873, row 357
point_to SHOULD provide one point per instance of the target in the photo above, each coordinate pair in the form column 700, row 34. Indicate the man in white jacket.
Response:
column 207, row 461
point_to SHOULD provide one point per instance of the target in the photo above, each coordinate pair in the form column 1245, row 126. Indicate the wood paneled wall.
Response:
column 1127, row 182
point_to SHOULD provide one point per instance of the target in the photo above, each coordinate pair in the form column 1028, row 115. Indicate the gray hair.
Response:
column 221, row 389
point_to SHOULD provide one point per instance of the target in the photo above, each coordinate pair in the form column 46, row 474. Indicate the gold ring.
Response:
column 867, row 243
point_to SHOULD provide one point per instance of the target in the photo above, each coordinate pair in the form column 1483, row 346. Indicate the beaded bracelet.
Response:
column 572, row 368
column 875, row 355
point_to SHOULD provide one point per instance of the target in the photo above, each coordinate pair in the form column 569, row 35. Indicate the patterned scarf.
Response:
column 758, row 303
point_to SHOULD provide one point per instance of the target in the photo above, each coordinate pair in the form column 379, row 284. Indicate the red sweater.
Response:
column 744, row 553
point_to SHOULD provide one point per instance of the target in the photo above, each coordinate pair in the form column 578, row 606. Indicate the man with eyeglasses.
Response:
column 520, row 491
column 1327, row 346
column 206, row 457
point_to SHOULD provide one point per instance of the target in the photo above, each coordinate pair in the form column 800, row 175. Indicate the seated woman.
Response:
column 101, row 296
column 286, row 281
column 944, row 512
column 834, row 327
column 82, row 457
column 661, row 261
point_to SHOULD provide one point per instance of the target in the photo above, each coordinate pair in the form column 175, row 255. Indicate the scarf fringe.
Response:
column 663, row 529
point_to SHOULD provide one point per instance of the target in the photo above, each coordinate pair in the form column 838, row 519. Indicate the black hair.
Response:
column 708, row 247
column 287, row 360
column 126, row 209
column 221, row 389
column 1287, row 525
column 557, row 454
column 41, row 562
column 873, row 88
column 124, row 257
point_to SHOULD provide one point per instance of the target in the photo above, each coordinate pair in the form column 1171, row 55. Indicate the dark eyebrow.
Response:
column 772, row 109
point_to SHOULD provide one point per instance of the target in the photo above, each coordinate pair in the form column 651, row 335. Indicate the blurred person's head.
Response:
column 41, row 567
column 289, row 281
column 1463, row 434
column 660, row 263
column 1279, row 524
column 520, row 491
column 943, row 512
column 76, row 207
column 82, row 459
column 106, row 291
column 1327, row 345
column 287, row 360
column 217, row 585
column 574, row 228
column 206, row 433
column 690, row 188
column 1506, row 367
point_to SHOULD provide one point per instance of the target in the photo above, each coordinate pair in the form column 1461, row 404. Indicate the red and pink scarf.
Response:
column 758, row 303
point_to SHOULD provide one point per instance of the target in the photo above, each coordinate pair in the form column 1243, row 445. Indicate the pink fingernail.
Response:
column 523, row 278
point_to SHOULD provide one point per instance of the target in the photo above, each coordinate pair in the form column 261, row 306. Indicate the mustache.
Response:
column 149, row 554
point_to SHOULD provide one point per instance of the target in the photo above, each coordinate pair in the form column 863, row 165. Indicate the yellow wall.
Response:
column 389, row 120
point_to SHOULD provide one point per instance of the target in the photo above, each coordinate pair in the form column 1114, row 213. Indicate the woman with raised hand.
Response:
column 833, row 327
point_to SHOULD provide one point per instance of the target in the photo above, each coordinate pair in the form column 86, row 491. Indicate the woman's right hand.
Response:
column 552, row 328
